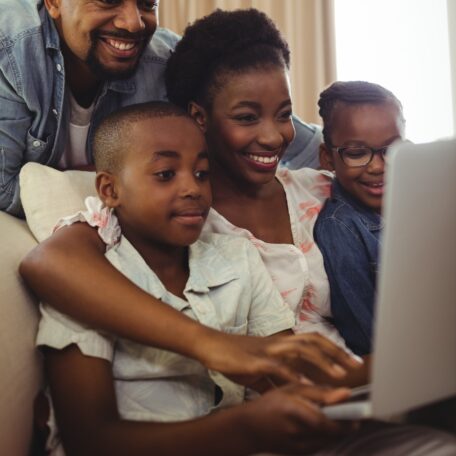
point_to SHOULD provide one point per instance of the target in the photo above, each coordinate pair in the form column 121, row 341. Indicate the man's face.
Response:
column 105, row 37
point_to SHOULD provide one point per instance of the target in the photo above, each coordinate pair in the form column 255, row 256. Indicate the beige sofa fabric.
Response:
column 20, row 365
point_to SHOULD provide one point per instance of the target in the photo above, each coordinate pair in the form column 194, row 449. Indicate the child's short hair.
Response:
column 113, row 137
column 224, row 41
column 351, row 93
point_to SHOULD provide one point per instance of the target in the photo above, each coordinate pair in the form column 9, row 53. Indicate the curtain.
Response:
column 308, row 26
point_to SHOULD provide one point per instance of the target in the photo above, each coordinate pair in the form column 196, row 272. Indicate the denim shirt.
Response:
column 34, row 104
column 348, row 235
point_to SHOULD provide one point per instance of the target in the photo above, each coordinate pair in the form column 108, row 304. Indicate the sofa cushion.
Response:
column 48, row 195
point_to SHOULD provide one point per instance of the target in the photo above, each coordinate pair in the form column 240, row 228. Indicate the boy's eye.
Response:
column 148, row 5
column 165, row 175
column 286, row 115
column 110, row 2
column 202, row 174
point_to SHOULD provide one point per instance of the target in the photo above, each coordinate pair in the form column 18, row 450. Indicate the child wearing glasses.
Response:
column 360, row 121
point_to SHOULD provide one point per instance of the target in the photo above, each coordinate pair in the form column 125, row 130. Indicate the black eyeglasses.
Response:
column 357, row 156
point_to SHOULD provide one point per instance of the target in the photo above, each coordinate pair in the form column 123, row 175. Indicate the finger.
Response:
column 318, row 394
column 289, row 352
column 338, row 354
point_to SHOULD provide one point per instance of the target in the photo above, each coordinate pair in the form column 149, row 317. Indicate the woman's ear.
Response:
column 106, row 185
column 199, row 114
column 53, row 7
column 326, row 158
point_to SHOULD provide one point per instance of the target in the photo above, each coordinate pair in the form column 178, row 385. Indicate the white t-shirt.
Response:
column 75, row 153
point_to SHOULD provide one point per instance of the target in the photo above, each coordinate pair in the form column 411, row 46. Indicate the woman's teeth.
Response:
column 263, row 159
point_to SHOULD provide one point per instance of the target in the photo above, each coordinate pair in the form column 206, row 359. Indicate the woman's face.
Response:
column 249, row 125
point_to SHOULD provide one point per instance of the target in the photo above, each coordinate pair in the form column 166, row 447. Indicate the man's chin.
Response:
column 105, row 73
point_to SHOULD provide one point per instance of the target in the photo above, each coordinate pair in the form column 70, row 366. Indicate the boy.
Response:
column 111, row 395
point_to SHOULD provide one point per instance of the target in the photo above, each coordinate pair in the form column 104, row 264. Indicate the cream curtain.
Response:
column 308, row 26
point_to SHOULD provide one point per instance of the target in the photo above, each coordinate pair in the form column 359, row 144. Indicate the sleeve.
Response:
column 349, row 270
column 15, row 122
column 303, row 151
column 58, row 331
column 268, row 313
column 98, row 216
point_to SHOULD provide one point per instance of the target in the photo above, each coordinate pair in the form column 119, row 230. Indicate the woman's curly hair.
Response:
column 351, row 93
column 221, row 43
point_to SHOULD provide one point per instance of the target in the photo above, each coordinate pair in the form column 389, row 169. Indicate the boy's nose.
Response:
column 190, row 188
column 129, row 17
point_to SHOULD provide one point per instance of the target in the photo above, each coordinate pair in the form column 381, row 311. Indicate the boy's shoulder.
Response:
column 229, row 246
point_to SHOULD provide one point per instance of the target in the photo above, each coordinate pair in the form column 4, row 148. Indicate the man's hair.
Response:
column 351, row 93
column 113, row 136
column 224, row 42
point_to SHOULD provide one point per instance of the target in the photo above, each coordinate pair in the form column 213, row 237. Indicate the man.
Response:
column 65, row 65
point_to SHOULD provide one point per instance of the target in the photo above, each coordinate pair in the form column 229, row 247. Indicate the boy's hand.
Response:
column 289, row 419
column 251, row 361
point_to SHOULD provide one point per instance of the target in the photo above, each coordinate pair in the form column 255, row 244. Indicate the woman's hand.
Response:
column 259, row 362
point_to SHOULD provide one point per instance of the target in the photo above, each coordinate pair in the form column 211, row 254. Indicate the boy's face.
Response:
column 371, row 125
column 163, row 190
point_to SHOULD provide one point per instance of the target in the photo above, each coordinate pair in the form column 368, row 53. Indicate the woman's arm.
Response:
column 70, row 272
column 84, row 399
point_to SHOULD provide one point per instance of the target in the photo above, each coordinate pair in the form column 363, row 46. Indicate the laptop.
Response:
column 414, row 360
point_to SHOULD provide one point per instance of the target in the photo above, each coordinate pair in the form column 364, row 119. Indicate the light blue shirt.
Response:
column 228, row 289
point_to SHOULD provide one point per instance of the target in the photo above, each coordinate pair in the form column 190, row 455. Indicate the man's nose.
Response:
column 129, row 17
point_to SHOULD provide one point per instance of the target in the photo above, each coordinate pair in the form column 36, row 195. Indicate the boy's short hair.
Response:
column 351, row 93
column 221, row 43
column 113, row 136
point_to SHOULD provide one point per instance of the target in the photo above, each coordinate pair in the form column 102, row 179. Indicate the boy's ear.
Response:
column 106, row 185
column 199, row 114
column 326, row 158
column 53, row 7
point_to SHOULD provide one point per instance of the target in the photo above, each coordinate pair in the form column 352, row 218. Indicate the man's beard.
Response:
column 104, row 73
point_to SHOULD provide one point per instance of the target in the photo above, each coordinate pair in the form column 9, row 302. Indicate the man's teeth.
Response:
column 263, row 159
column 375, row 185
column 121, row 45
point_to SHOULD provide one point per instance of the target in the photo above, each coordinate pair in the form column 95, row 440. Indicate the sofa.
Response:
column 20, row 365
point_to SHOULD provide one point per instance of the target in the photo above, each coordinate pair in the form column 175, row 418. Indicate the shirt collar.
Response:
column 372, row 219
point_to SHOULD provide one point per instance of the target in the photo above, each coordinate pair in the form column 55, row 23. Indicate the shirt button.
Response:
column 55, row 112
column 36, row 143
column 59, row 67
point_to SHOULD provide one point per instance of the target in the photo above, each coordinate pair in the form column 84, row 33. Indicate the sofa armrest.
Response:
column 20, row 364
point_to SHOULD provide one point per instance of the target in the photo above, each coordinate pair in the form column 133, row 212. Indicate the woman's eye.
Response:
column 202, row 175
column 110, row 2
column 165, row 175
column 246, row 117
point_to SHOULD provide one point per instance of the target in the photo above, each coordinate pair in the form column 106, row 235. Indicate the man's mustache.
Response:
column 121, row 34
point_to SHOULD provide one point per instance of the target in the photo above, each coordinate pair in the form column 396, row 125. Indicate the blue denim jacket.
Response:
column 348, row 235
column 34, row 105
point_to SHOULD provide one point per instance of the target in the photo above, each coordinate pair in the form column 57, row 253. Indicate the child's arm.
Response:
column 351, row 273
column 69, row 271
column 82, row 388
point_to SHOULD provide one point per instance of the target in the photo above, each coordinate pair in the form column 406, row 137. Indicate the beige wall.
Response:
column 452, row 37
column 307, row 26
